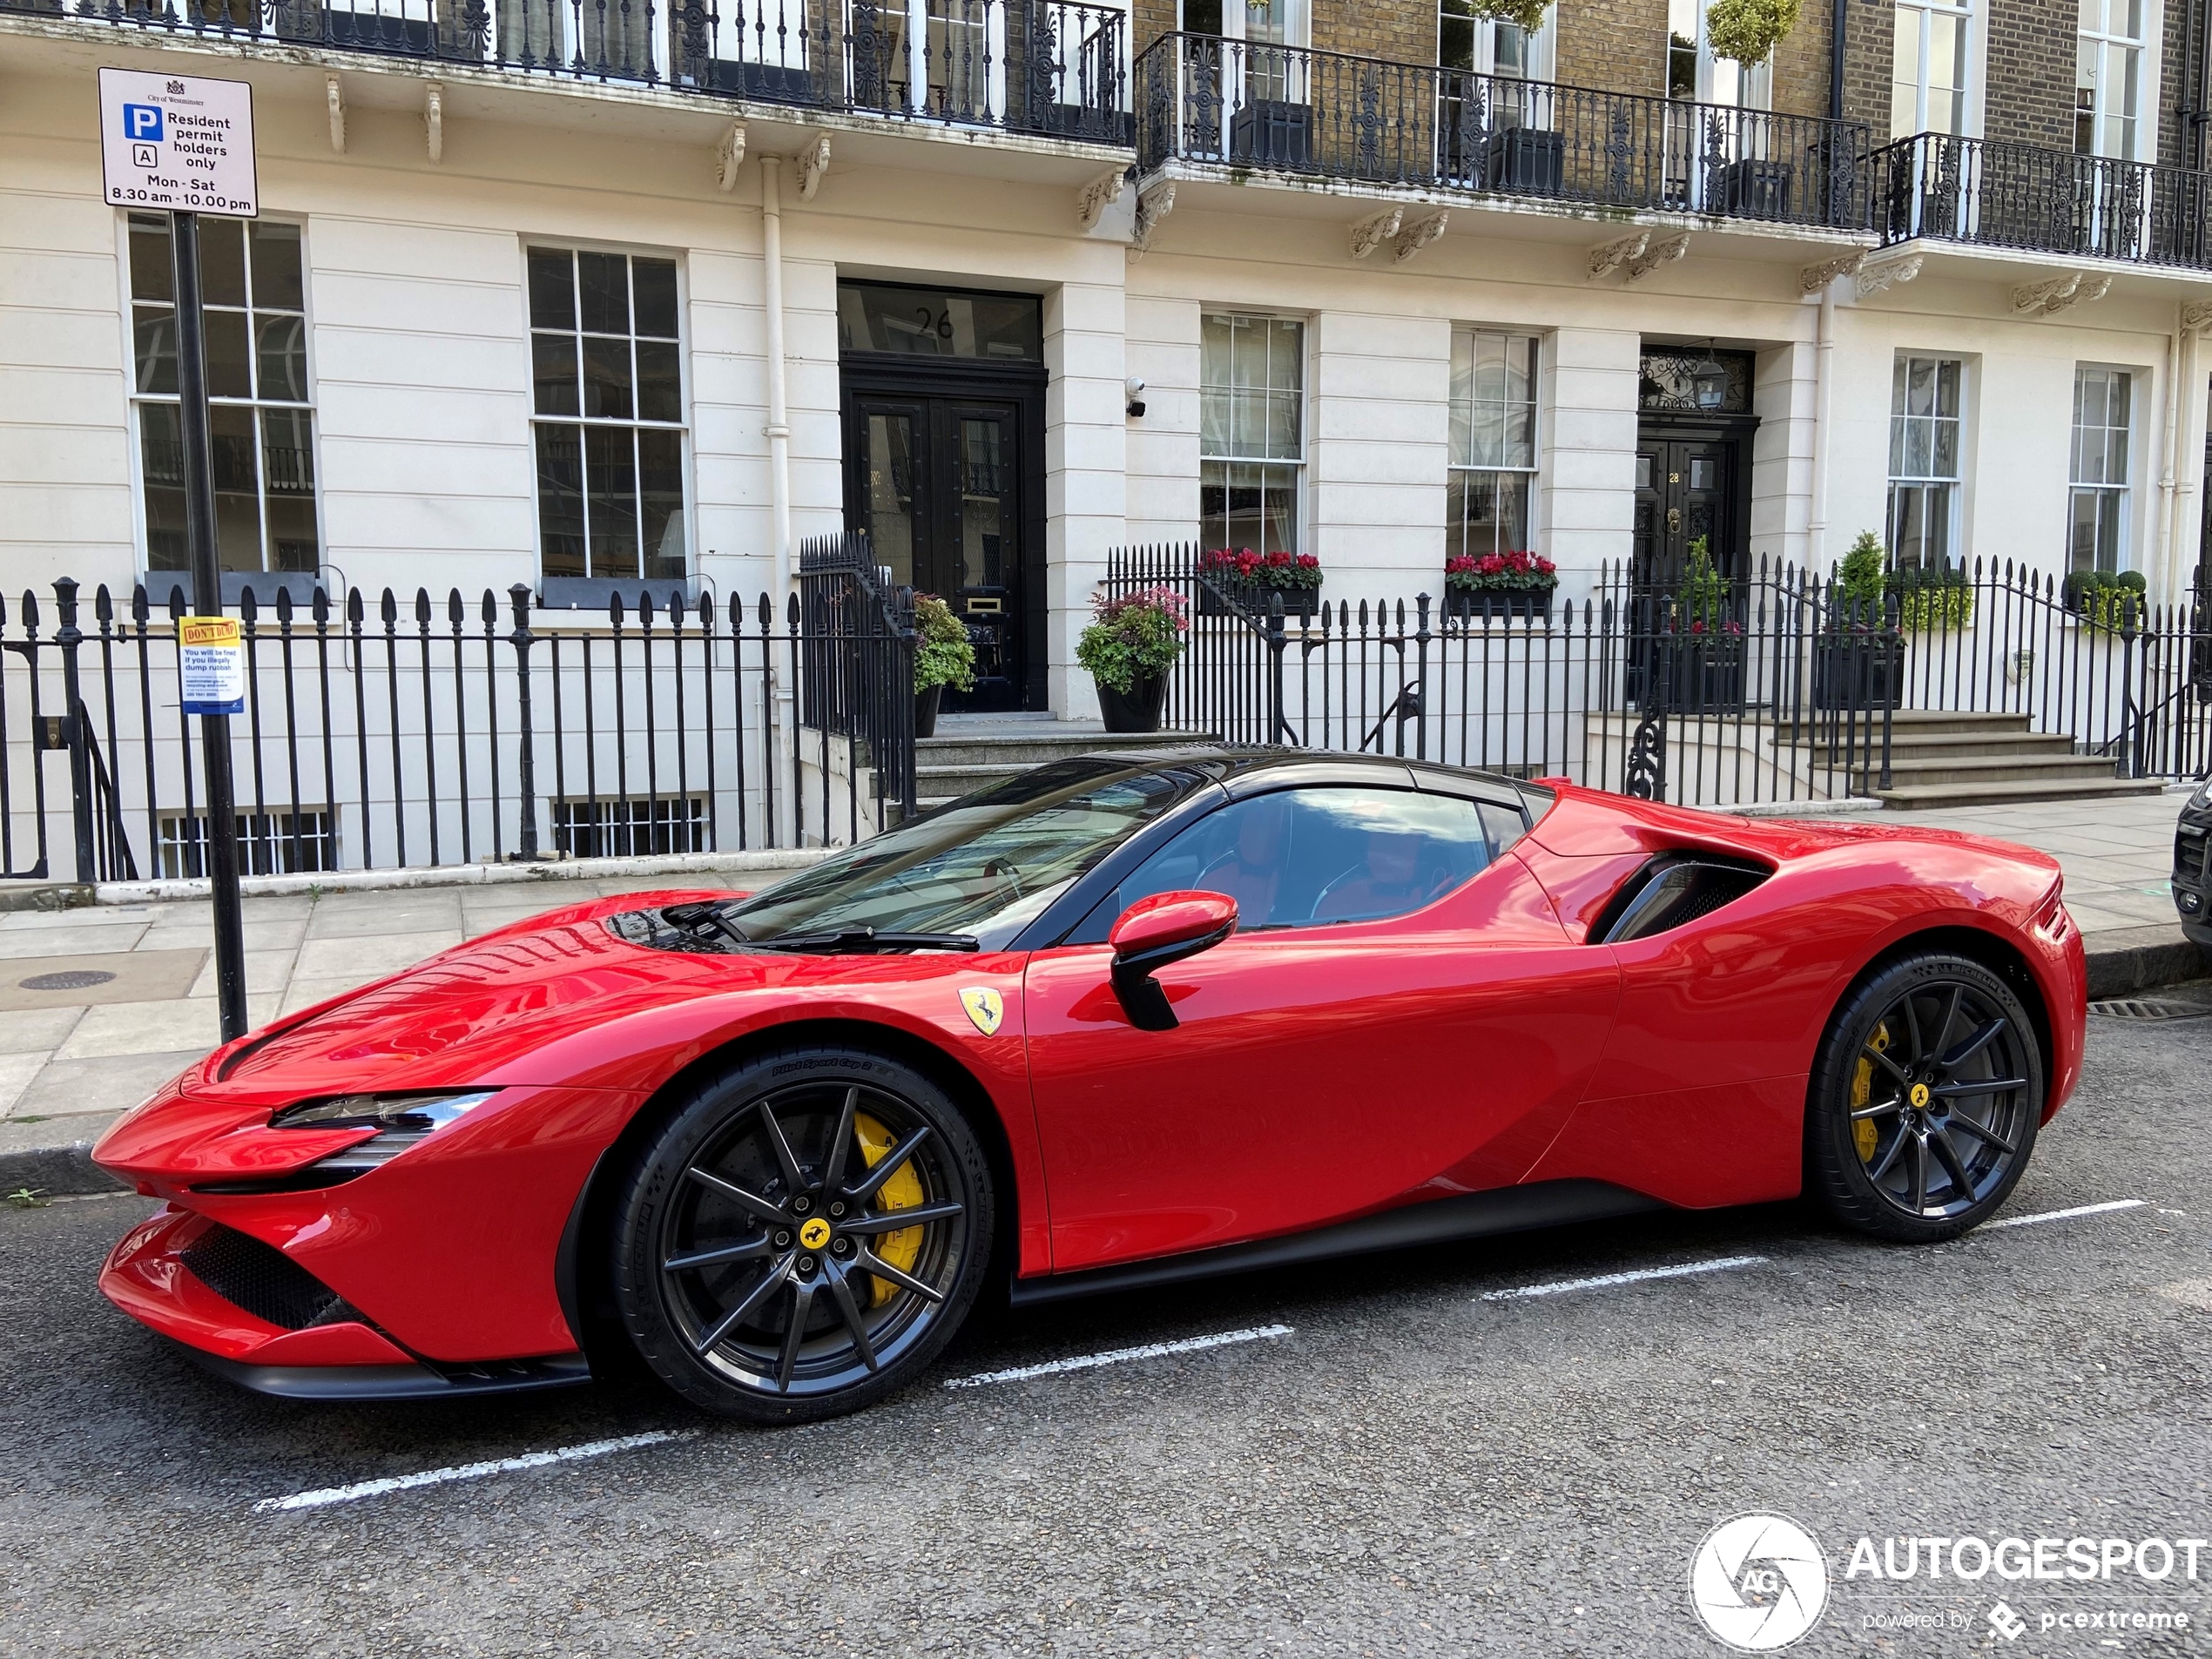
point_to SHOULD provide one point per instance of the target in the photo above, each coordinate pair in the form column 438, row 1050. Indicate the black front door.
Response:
column 1686, row 488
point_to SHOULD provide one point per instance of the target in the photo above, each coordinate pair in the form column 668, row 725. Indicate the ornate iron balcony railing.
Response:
column 1330, row 115
column 2041, row 201
column 1041, row 66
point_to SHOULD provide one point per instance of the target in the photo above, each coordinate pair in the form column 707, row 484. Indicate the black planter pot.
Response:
column 1136, row 710
column 1850, row 673
column 1500, row 604
column 1704, row 675
column 1219, row 598
column 926, row 702
column 1269, row 132
column 1529, row 160
column 1756, row 189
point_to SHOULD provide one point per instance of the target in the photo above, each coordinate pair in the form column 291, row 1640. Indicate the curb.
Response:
column 2141, row 959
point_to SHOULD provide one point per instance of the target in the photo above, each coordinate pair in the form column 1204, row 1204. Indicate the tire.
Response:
column 755, row 1270
column 1924, row 1101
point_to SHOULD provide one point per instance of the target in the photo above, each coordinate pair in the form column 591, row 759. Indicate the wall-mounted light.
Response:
column 1709, row 381
column 1136, row 390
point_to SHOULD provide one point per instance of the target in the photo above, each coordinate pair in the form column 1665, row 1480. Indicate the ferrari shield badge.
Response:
column 985, row 1006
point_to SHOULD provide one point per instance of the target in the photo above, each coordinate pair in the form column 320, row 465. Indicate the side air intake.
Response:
column 1671, row 891
column 263, row 1281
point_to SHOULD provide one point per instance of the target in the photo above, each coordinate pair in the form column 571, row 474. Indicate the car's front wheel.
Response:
column 1925, row 1100
column 804, row 1235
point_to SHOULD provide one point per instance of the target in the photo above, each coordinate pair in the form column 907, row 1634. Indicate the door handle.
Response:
column 1673, row 520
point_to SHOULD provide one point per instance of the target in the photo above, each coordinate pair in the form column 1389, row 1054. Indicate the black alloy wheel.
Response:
column 804, row 1236
column 1925, row 1100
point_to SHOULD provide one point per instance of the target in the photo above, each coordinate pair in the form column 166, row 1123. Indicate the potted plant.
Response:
column 1241, row 579
column 1703, row 639
column 1748, row 31
column 1499, row 584
column 1855, row 655
column 2110, row 600
column 1933, row 599
column 1133, row 638
column 943, row 656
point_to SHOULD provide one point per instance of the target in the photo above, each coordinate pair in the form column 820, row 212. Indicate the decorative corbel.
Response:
column 334, row 96
column 1152, row 206
column 1418, row 235
column 1604, row 261
column 1095, row 197
column 2059, row 294
column 1370, row 234
column 1875, row 276
column 2197, row 318
column 813, row 163
column 434, row 119
column 1657, row 254
column 730, row 157
column 1813, row 278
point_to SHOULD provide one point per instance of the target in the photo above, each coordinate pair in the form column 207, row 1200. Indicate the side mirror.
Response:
column 1153, row 932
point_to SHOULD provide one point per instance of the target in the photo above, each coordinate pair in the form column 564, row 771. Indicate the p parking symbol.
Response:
column 142, row 123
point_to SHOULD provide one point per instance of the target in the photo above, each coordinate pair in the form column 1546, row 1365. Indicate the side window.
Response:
column 1310, row 857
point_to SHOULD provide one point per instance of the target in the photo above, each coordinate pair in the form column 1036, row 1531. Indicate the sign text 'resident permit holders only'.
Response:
column 180, row 142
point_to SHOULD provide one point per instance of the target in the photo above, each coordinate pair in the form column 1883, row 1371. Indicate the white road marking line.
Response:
column 467, row 1471
column 2064, row 1215
column 1606, row 1281
column 1117, row 1356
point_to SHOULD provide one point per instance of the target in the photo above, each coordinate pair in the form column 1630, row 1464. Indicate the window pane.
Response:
column 660, row 389
column 238, row 496
column 282, row 358
column 154, row 343
column 229, row 373
column 654, row 283
column 602, row 293
column 611, row 500
column 222, row 262
column 660, row 478
column 288, row 464
column 152, row 276
column 1920, row 388
column 277, row 284
column 161, row 460
column 1487, row 512
column 1947, row 388
column 560, row 500
column 1244, row 504
column 553, row 374
column 606, row 378
column 1308, row 857
column 1946, row 450
column 1917, row 441
column 552, row 289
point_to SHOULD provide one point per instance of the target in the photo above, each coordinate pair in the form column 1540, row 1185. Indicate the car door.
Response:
column 1398, row 1016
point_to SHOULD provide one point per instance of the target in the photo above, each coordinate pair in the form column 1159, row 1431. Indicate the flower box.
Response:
column 1700, row 674
column 1497, row 604
column 1220, row 598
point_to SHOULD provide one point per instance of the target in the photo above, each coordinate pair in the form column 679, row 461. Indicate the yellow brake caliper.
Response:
column 1861, row 1089
column 902, row 1191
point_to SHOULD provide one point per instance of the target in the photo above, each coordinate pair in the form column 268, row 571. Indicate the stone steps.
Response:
column 978, row 752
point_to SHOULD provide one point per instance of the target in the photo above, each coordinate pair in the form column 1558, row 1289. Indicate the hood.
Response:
column 468, row 1014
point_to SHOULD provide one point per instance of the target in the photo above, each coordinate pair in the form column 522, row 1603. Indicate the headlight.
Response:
column 400, row 1121
column 2201, row 801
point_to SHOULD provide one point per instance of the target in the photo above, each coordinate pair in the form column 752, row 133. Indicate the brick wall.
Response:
column 1151, row 19
column 2173, row 94
column 1869, row 43
column 1801, row 63
column 1403, row 31
column 2031, row 52
column 1617, row 46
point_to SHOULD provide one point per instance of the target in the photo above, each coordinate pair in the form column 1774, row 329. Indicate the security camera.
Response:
column 1135, row 389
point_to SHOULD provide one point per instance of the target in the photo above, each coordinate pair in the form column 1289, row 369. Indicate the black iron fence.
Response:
column 381, row 732
column 1287, row 109
column 1772, row 687
column 1049, row 66
column 2045, row 201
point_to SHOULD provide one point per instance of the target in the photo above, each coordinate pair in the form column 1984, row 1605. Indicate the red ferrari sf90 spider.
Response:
column 1115, row 1022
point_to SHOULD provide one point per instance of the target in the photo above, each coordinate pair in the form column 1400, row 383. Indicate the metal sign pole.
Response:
column 207, row 601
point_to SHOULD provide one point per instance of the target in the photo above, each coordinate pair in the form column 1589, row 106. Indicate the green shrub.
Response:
column 1704, row 599
column 1859, row 578
column 1748, row 31
column 1528, row 14
column 2108, row 600
column 943, row 654
column 1933, row 599
column 1135, row 637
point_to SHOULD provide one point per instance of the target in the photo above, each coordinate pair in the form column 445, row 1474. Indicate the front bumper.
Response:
column 2193, row 875
column 249, row 1314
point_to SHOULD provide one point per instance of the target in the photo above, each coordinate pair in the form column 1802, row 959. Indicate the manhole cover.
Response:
column 2137, row 1008
column 77, row 979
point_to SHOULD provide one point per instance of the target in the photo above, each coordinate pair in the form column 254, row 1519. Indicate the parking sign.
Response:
column 179, row 142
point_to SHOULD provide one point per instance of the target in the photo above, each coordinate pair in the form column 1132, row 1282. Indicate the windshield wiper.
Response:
column 855, row 941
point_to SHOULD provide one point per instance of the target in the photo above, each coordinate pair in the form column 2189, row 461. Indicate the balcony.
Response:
column 1047, row 67
column 1329, row 116
column 2018, row 198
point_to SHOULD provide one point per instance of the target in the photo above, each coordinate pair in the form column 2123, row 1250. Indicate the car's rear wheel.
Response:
column 804, row 1235
column 1925, row 1100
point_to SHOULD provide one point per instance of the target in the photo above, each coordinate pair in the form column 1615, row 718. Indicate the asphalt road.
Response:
column 1410, row 1469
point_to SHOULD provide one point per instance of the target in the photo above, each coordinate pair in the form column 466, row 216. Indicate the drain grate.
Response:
column 2149, row 1008
column 79, row 979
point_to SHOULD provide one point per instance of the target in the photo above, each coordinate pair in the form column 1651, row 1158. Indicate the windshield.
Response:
column 985, row 867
